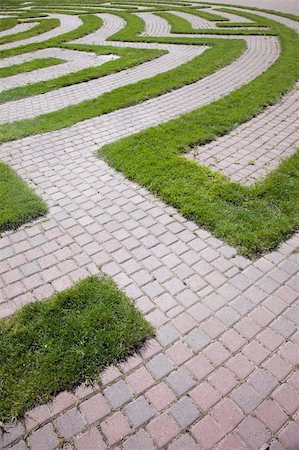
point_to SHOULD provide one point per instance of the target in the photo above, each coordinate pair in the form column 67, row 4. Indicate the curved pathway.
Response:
column 220, row 373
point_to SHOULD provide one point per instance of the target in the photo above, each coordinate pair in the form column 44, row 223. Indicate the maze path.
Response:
column 219, row 316
column 255, row 148
column 20, row 27
column 67, row 24
column 75, row 61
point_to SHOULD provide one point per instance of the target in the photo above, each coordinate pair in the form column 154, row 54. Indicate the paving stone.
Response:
column 69, row 424
column 167, row 335
column 180, row 381
column 184, row 412
column 91, row 440
column 138, row 412
column 184, row 442
column 44, row 439
column 160, row 396
column 287, row 398
column 179, row 353
column 262, row 382
column 159, row 366
column 253, row 433
column 246, row 398
column 272, row 415
column 95, row 408
column 163, row 429
column 115, row 428
column 227, row 414
column 138, row 441
column 140, row 380
column 205, row 396
column 207, row 432
column 197, row 340
column 118, row 393
column 289, row 436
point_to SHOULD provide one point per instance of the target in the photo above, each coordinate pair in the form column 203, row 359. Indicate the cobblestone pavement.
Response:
column 220, row 373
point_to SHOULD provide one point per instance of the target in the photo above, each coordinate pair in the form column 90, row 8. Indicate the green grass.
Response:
column 70, row 338
column 29, row 66
column 7, row 23
column 222, row 53
column 253, row 219
column 182, row 26
column 129, row 57
column 43, row 26
column 18, row 203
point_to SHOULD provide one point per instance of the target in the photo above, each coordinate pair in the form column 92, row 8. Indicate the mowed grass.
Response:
column 29, row 66
column 18, row 203
column 67, row 339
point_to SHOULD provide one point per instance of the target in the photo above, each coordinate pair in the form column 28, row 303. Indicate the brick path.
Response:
column 220, row 373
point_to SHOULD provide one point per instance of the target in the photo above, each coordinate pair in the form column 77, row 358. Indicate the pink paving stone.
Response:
column 287, row 398
column 109, row 375
column 150, row 348
column 160, row 396
column 294, row 380
column 200, row 367
column 289, row 436
column 240, row 365
column 278, row 367
column 140, row 380
column 247, row 327
column 213, row 327
column 287, row 294
column 179, row 353
column 232, row 340
column 271, row 414
column 116, row 428
column 95, row 408
column 184, row 442
column 262, row 316
column 253, row 433
column 255, row 352
column 270, row 339
column 205, row 396
column 217, row 353
column 227, row 414
column 223, row 380
column 37, row 416
column 184, row 323
column 163, row 429
column 231, row 442
column 130, row 363
column 61, row 402
column 290, row 352
column 91, row 440
column 207, row 432
column 84, row 391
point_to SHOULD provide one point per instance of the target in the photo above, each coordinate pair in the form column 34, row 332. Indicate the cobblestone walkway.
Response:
column 220, row 373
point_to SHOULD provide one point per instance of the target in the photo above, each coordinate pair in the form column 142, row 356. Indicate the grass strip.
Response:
column 90, row 24
column 29, row 66
column 43, row 26
column 253, row 219
column 223, row 53
column 18, row 203
column 54, row 345
column 129, row 57
column 183, row 26
column 7, row 23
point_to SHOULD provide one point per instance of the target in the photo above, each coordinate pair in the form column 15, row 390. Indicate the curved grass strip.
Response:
column 90, row 24
column 7, row 23
column 253, row 219
column 29, row 66
column 223, row 53
column 129, row 57
column 54, row 345
column 182, row 26
column 18, row 203
column 43, row 26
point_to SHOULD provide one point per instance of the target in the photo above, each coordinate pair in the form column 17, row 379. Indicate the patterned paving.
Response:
column 220, row 373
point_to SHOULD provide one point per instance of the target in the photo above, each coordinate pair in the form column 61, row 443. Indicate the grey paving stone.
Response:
column 160, row 366
column 184, row 412
column 246, row 398
column 118, row 393
column 180, row 381
column 197, row 340
column 139, row 411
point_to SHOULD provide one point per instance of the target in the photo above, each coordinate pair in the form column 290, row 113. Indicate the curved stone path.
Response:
column 220, row 372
